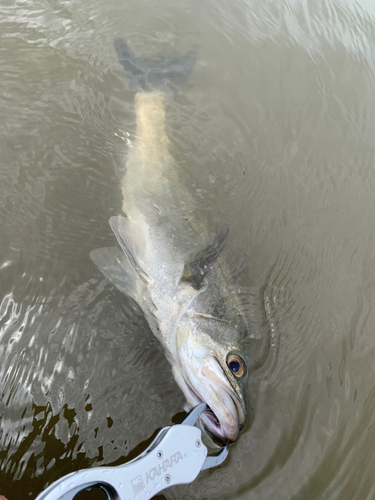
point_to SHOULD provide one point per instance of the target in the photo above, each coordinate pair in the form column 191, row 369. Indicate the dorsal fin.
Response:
column 197, row 269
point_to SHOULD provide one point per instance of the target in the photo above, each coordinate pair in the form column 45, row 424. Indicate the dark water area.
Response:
column 274, row 134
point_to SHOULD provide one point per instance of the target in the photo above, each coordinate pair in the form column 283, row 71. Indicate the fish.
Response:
column 171, row 262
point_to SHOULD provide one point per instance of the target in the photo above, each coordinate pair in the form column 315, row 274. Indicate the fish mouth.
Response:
column 207, row 383
column 223, row 433
column 207, row 413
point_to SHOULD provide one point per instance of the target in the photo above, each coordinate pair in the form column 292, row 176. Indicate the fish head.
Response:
column 211, row 367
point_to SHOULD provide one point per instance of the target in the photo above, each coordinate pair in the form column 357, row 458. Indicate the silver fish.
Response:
column 171, row 265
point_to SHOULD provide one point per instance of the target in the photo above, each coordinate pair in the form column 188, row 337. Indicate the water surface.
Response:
column 274, row 133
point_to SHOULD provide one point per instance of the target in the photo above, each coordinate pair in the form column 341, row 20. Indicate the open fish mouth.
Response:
column 212, row 417
column 207, row 413
column 222, row 433
column 215, row 423
column 226, row 413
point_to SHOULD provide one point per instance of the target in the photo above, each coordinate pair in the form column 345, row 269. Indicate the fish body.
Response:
column 172, row 266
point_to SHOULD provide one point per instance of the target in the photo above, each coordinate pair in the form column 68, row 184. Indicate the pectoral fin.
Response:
column 197, row 269
column 115, row 266
column 131, row 244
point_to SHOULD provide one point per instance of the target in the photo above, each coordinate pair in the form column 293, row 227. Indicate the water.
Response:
column 274, row 133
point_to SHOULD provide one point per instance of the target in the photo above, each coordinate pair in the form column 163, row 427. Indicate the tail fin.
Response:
column 147, row 75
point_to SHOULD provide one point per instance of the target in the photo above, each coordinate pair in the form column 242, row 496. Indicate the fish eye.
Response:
column 236, row 365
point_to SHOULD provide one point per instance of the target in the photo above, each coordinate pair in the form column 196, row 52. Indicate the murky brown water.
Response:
column 275, row 131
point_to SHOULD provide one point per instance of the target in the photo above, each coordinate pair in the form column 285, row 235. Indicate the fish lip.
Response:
column 208, row 412
column 211, row 416
column 219, row 431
